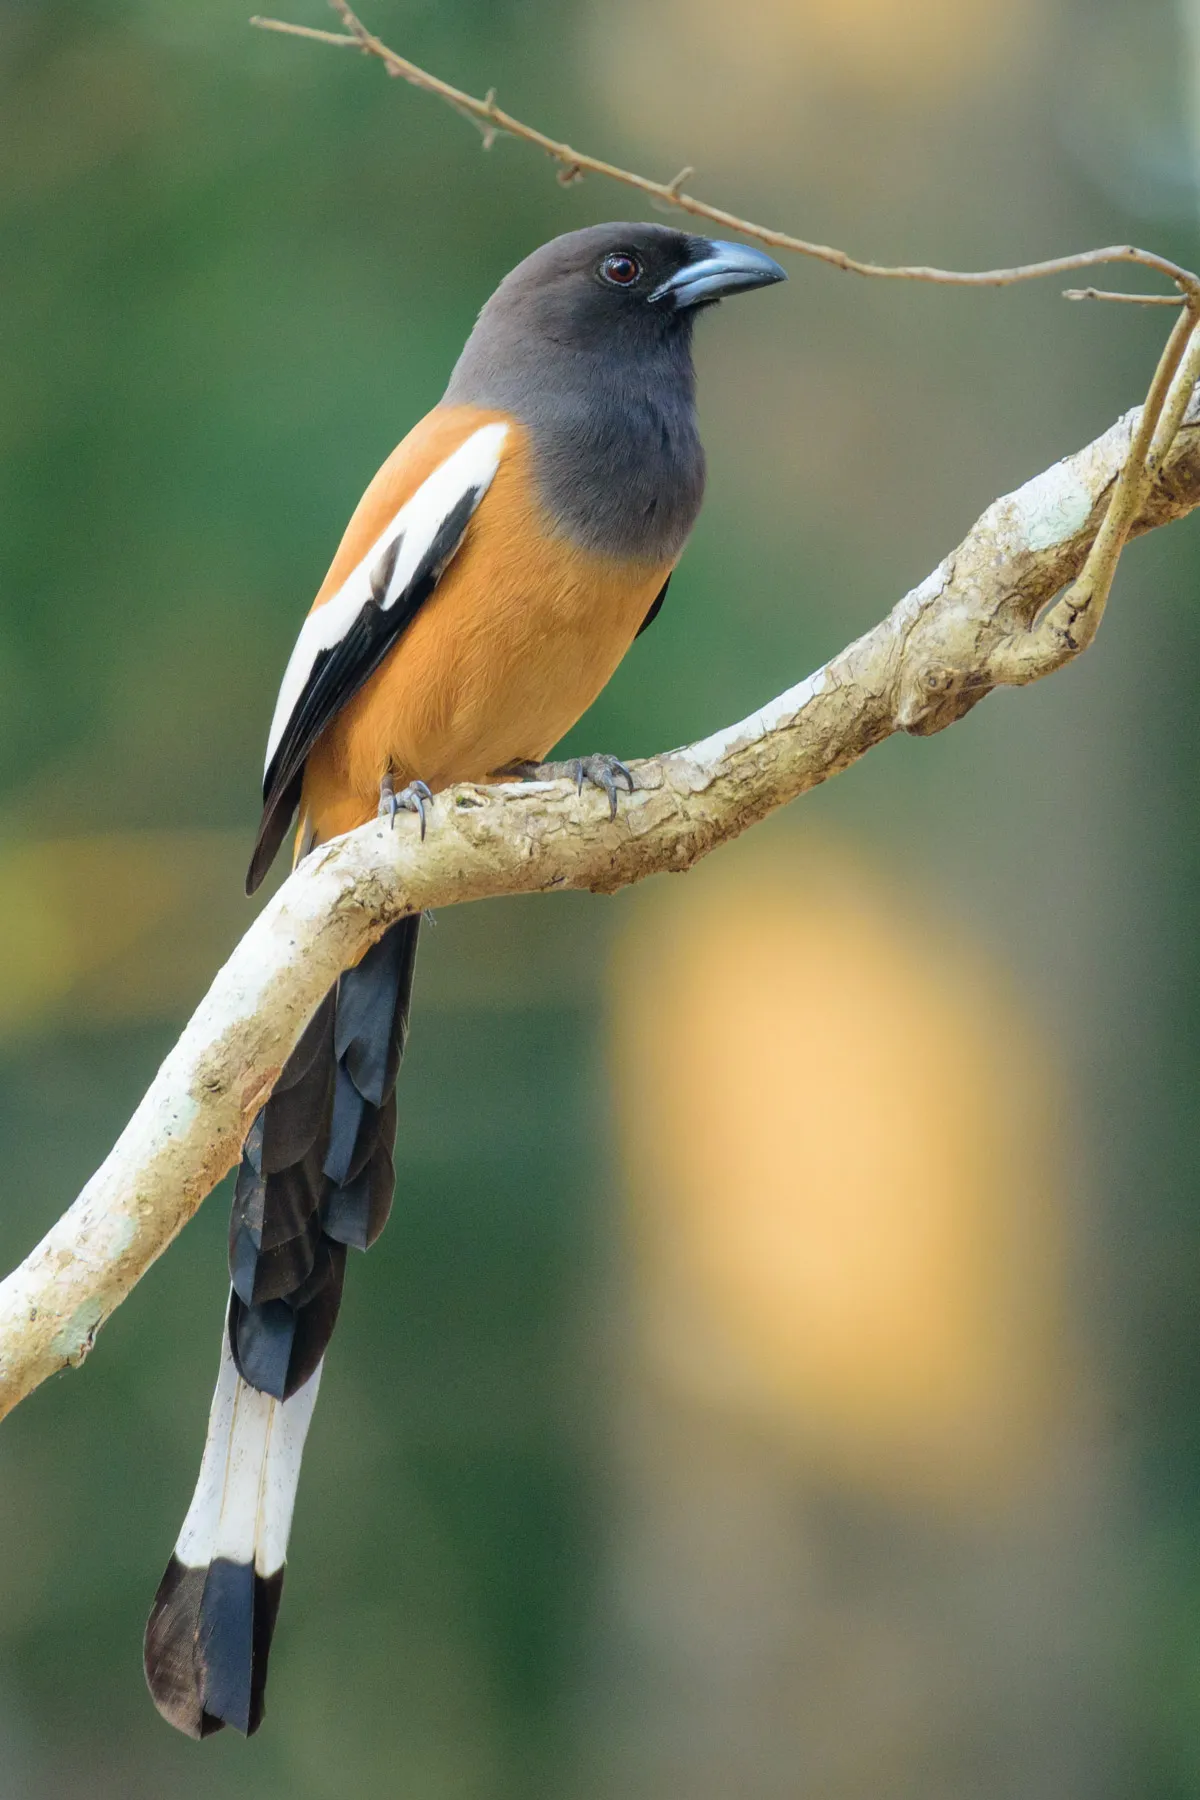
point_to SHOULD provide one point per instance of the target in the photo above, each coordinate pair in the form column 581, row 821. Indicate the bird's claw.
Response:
column 603, row 772
column 409, row 799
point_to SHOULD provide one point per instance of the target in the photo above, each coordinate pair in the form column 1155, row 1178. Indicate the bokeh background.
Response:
column 779, row 1376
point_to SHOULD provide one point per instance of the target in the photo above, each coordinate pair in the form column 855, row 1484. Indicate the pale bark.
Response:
column 977, row 622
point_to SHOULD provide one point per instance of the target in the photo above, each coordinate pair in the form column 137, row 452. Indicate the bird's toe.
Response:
column 409, row 799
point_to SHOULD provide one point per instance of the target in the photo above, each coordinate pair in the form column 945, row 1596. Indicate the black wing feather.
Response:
column 337, row 675
column 655, row 607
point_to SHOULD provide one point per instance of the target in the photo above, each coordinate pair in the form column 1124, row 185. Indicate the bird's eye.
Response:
column 621, row 269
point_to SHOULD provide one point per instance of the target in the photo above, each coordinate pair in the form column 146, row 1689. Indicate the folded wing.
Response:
column 351, row 629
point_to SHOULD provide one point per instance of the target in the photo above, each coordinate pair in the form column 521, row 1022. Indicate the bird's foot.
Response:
column 409, row 799
column 604, row 772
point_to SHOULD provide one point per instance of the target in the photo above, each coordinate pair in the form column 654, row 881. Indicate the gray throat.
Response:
column 616, row 451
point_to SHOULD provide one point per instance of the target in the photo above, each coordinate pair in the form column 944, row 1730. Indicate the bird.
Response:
column 491, row 579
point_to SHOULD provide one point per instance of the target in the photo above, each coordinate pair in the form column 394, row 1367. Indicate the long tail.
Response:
column 209, row 1633
column 316, row 1178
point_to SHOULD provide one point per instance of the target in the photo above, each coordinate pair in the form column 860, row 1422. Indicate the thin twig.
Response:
column 576, row 163
column 338, row 39
column 1091, row 293
column 1182, row 387
column 1071, row 623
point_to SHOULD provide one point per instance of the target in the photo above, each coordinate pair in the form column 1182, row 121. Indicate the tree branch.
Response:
column 983, row 618
column 492, row 121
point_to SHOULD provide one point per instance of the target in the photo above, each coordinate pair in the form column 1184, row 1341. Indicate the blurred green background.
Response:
column 779, row 1375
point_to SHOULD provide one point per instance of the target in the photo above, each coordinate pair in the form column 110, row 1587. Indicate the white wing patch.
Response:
column 242, row 1506
column 472, row 465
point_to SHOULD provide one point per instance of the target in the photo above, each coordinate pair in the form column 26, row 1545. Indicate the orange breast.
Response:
column 519, row 637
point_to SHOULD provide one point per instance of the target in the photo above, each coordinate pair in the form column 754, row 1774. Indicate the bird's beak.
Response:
column 725, row 269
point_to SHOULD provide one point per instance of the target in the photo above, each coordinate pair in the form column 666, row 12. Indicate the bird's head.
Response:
column 627, row 282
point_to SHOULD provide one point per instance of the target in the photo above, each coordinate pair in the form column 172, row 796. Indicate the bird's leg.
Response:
column 409, row 799
column 600, row 771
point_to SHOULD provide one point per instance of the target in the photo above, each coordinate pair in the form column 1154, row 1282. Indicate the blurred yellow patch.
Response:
column 710, row 78
column 117, row 927
column 890, row 45
column 840, row 1138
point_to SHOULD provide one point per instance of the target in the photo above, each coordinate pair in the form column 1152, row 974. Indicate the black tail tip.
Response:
column 207, row 1643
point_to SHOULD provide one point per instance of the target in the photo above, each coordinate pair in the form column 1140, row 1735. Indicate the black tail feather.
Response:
column 208, row 1644
column 317, row 1172
column 274, row 1225
column 357, row 1210
column 277, row 1344
column 297, row 1115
